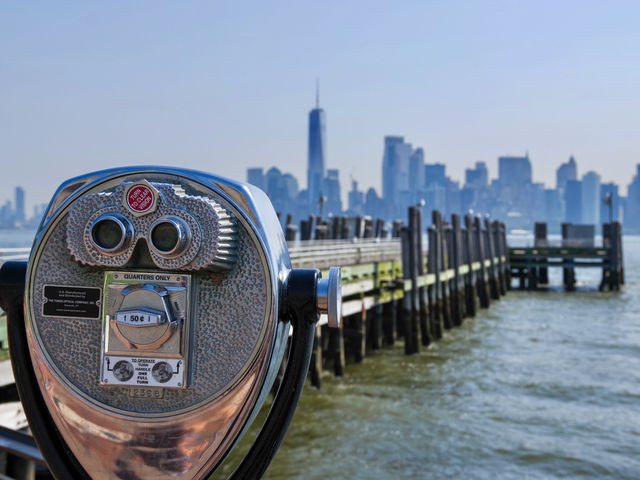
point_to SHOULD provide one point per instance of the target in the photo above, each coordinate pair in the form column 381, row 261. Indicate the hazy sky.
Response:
column 222, row 87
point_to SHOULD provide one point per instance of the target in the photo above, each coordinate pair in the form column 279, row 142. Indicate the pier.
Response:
column 531, row 265
column 401, row 288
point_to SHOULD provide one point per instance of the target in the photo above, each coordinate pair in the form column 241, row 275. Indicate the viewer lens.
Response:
column 111, row 233
column 107, row 234
column 169, row 237
column 165, row 237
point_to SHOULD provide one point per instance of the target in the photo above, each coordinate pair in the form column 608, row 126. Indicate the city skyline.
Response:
column 466, row 81
column 428, row 183
column 408, row 180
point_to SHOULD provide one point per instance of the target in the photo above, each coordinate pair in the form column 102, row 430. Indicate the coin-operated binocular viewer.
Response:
column 157, row 307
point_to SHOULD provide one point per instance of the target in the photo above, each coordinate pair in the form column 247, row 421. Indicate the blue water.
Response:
column 16, row 238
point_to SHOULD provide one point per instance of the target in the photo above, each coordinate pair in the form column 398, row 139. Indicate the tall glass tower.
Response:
column 315, row 167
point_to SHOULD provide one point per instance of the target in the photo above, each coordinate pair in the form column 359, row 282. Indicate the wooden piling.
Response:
column 397, row 228
column 540, row 240
column 315, row 366
column 434, row 299
column 360, row 336
column 606, row 267
column 423, row 296
column 505, row 265
column 568, row 272
column 290, row 233
column 374, row 327
column 443, row 261
column 469, row 258
column 491, row 254
column 499, row 252
column 481, row 279
column 389, row 322
column 336, row 353
column 455, row 256
column 409, row 300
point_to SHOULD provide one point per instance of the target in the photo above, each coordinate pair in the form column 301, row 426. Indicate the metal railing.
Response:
column 325, row 253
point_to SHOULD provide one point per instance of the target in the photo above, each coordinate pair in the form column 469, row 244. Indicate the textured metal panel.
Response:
column 206, row 219
column 226, row 331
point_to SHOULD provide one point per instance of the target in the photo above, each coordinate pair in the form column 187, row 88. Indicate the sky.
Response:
column 221, row 87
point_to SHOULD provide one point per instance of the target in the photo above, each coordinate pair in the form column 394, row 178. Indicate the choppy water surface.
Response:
column 541, row 385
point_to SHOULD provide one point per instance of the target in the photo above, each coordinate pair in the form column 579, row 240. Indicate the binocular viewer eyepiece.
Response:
column 157, row 307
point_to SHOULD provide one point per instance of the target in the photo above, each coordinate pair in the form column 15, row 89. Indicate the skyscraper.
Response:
column 476, row 177
column 416, row 174
column 395, row 174
column 591, row 198
column 573, row 200
column 315, row 167
column 255, row 176
column 331, row 190
column 514, row 171
column 20, row 208
column 632, row 210
column 565, row 172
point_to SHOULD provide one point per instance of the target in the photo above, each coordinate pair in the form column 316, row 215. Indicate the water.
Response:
column 16, row 238
column 541, row 385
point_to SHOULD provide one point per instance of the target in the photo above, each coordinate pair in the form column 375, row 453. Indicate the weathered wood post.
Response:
column 368, row 229
column 615, row 255
column 374, row 329
column 315, row 367
column 433, row 267
column 481, row 280
column 540, row 234
column 607, row 264
column 423, row 296
column 359, row 227
column 397, row 228
column 336, row 228
column 620, row 253
column 454, row 263
column 469, row 258
column 491, row 254
column 568, row 272
column 322, row 230
column 346, row 230
column 445, row 306
column 290, row 232
column 389, row 311
column 409, row 269
column 360, row 335
column 336, row 351
column 500, row 253
column 507, row 264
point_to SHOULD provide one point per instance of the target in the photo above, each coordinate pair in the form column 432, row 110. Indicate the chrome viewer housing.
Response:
column 158, row 303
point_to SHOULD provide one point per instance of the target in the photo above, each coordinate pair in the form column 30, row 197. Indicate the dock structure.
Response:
column 400, row 287
column 530, row 265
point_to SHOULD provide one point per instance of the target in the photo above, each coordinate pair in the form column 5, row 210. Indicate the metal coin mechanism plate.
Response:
column 145, row 329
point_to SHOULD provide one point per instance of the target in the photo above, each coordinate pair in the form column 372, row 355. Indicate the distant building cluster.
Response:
column 14, row 216
column 408, row 179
